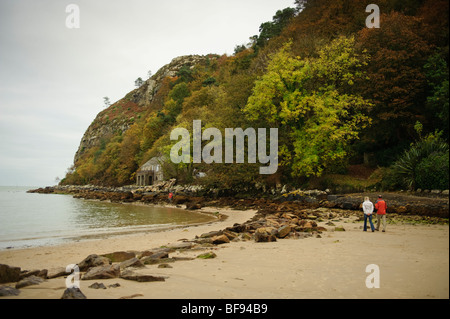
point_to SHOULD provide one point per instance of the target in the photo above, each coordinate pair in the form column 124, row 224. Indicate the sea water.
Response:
column 31, row 219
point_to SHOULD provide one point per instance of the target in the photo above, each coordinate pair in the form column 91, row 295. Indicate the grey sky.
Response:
column 53, row 79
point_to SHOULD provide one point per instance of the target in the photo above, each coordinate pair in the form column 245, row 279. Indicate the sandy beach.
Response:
column 413, row 262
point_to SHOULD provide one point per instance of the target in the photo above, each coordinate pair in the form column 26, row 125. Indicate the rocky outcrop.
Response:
column 196, row 197
column 29, row 281
column 102, row 272
column 146, row 93
column 73, row 293
column 8, row 291
column 103, row 128
column 9, row 273
column 93, row 261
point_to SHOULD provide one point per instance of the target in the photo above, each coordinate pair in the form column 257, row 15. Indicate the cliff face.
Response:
column 121, row 115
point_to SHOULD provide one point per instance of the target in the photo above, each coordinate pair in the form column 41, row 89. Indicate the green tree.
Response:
column 309, row 101
column 138, row 82
column 273, row 28
column 437, row 77
column 420, row 160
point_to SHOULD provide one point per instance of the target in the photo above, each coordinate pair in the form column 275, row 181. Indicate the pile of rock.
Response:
column 122, row 264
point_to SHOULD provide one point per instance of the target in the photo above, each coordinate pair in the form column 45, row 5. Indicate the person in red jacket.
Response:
column 381, row 208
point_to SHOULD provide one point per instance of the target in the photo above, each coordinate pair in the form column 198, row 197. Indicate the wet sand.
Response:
column 413, row 262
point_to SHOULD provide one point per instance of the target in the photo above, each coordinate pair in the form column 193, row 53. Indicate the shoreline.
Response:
column 123, row 231
column 326, row 259
column 34, row 257
column 413, row 260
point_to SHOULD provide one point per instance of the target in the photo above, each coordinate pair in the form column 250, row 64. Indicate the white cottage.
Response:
column 150, row 173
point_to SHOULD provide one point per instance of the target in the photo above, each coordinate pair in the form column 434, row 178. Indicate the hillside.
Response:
column 341, row 95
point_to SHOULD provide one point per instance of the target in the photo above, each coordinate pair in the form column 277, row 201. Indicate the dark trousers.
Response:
column 368, row 217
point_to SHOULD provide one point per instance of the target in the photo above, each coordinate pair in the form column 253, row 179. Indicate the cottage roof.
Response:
column 150, row 164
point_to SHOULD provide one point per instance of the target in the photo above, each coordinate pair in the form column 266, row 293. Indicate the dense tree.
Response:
column 308, row 99
column 397, row 83
column 336, row 90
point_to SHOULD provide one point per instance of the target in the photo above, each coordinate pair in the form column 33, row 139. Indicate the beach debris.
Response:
column 8, row 291
column 93, row 261
column 119, row 256
column 73, row 293
column 116, row 285
column 102, row 272
column 207, row 255
column 131, row 275
column 164, row 266
column 339, row 228
column 97, row 285
column 9, row 273
column 29, row 281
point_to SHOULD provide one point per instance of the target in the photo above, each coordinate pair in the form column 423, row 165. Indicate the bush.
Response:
column 432, row 172
column 390, row 181
column 406, row 167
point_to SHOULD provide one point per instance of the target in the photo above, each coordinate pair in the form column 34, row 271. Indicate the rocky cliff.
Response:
column 121, row 115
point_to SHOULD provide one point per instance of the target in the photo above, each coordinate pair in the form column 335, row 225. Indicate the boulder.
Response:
column 29, row 281
column 193, row 206
column 102, row 272
column 119, row 256
column 130, row 275
column 183, row 245
column 9, row 274
column 39, row 273
column 154, row 261
column 97, row 285
column 207, row 255
column 151, row 252
column 231, row 235
column 8, row 291
column 221, row 239
column 283, row 231
column 133, row 262
column 73, row 293
column 211, row 234
column 265, row 234
column 93, row 261
column 56, row 272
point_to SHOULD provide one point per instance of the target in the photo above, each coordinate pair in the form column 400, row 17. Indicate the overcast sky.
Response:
column 53, row 78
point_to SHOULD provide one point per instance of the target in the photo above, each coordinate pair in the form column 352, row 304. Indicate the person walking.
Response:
column 381, row 208
column 368, row 207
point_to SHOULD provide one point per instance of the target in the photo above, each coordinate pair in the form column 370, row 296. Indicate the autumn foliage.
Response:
column 338, row 91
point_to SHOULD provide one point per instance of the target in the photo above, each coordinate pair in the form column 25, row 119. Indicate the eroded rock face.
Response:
column 103, row 127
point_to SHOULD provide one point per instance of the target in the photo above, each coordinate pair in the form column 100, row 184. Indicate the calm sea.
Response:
column 29, row 220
